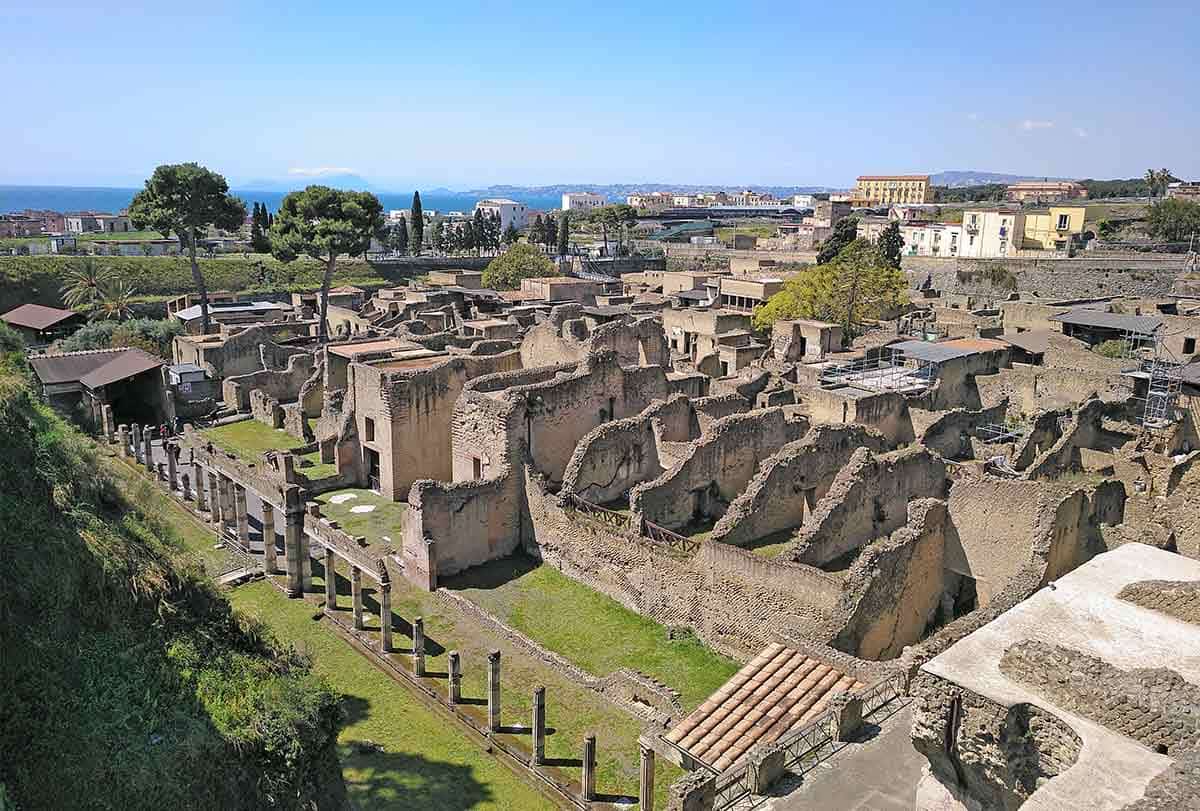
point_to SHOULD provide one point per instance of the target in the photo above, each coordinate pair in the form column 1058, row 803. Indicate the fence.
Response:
column 807, row 746
column 622, row 523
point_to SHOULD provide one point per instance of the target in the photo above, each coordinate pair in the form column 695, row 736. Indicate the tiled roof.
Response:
column 781, row 689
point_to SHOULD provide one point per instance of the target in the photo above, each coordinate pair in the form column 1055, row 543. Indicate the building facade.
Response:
column 84, row 222
column 510, row 212
column 1045, row 191
column 872, row 190
column 582, row 201
column 1184, row 191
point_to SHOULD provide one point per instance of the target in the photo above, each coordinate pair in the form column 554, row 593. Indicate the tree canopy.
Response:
column 185, row 199
column 845, row 231
column 324, row 223
column 857, row 286
column 891, row 244
column 417, row 223
column 1174, row 220
column 521, row 261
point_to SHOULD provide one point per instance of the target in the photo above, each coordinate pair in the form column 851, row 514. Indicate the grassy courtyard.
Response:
column 249, row 439
column 380, row 524
column 591, row 629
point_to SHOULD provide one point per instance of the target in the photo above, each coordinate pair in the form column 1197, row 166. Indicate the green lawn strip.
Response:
column 591, row 629
column 387, row 519
column 572, row 710
column 422, row 761
column 248, row 439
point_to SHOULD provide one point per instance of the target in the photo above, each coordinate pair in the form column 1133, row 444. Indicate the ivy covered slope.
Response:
column 126, row 681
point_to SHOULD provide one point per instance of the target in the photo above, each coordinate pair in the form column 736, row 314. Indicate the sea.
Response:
column 89, row 198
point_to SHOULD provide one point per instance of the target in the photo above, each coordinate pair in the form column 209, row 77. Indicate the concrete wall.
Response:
column 868, row 499
column 722, row 462
column 790, row 483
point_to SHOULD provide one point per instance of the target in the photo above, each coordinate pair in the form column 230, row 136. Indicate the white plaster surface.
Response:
column 363, row 508
column 341, row 498
column 1082, row 612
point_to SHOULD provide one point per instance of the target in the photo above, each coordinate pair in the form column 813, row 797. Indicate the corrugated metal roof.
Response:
column 1035, row 342
column 1085, row 317
column 930, row 351
column 69, row 367
column 189, row 313
column 37, row 316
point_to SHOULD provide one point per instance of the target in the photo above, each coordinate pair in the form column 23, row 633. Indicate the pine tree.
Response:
column 536, row 231
column 418, row 225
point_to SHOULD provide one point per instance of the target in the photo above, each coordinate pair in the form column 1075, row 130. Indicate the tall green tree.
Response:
column 259, row 243
column 521, row 261
column 511, row 235
column 437, row 237
column 537, row 231
column 845, row 231
column 325, row 223
column 85, row 284
column 857, row 286
column 564, row 233
column 417, row 223
column 891, row 245
column 398, row 237
column 184, row 199
column 1173, row 219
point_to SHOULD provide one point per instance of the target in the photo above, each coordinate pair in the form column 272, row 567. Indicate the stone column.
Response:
column 228, row 508
column 198, row 476
column 330, row 580
column 494, row 690
column 148, row 448
column 419, row 646
column 270, row 563
column 455, row 685
column 214, row 500
column 356, row 591
column 385, row 617
column 137, row 442
column 123, row 438
column 172, row 468
column 185, row 486
column 646, row 784
column 106, row 422
column 848, row 716
column 539, row 726
column 240, row 513
column 589, row 768
column 293, row 547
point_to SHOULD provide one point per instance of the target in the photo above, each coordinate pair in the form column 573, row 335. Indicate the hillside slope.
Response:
column 126, row 682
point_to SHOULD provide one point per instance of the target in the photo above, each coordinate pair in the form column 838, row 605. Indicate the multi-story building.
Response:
column 872, row 190
column 582, row 201
column 1184, row 191
column 989, row 233
column 1045, row 191
column 651, row 201
column 749, row 198
column 803, row 200
column 932, row 239
column 1054, row 229
column 684, row 200
column 510, row 211
column 83, row 222
column 18, row 225
column 52, row 221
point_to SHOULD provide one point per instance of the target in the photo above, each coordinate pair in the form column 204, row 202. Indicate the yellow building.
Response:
column 1053, row 230
column 870, row 190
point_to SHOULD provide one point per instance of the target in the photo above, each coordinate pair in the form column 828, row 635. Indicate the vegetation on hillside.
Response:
column 856, row 286
column 150, row 334
column 129, row 682
column 521, row 261
column 1174, row 220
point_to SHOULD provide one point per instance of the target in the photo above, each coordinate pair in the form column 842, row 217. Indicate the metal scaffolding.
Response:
column 891, row 370
column 1162, row 374
column 995, row 433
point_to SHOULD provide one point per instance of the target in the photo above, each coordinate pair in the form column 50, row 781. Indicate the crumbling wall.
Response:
column 613, row 458
column 895, row 587
column 950, row 435
column 885, row 412
column 722, row 462
column 282, row 385
column 1084, row 432
column 989, row 755
column 564, row 338
column 243, row 353
column 715, row 407
column 1044, row 431
column 868, row 499
column 790, row 483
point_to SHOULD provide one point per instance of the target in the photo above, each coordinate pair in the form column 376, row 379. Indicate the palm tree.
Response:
column 85, row 284
column 117, row 302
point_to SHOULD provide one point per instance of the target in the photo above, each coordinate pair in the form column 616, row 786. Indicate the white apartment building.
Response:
column 991, row 233
column 932, row 239
column 511, row 212
column 651, row 201
column 684, row 200
column 582, row 201
column 803, row 200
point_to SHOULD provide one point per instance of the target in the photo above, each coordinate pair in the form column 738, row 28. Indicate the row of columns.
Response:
column 385, row 609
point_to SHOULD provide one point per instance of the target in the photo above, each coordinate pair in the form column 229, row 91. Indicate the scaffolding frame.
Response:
column 891, row 370
column 1162, row 372
column 995, row 433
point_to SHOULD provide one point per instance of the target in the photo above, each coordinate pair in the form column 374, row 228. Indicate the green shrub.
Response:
column 155, row 336
column 1114, row 348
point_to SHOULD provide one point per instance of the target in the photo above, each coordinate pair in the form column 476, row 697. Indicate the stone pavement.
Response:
column 879, row 774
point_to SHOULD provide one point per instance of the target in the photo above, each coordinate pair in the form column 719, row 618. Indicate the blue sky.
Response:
column 462, row 94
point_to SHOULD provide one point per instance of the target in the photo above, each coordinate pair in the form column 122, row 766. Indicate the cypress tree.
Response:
column 417, row 223
column 564, row 233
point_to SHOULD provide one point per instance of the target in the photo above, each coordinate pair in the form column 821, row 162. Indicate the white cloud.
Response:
column 1029, row 125
column 320, row 171
column 972, row 116
column 1081, row 132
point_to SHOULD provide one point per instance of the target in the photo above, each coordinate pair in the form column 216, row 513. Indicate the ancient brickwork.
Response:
column 949, row 435
column 1179, row 599
column 1082, row 277
column 885, row 412
column 790, row 483
column 722, row 462
column 283, row 385
column 868, row 499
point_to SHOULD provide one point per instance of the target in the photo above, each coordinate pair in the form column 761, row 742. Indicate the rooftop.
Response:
column 37, row 316
column 92, row 368
column 1086, row 317
column 216, row 307
column 1081, row 611
column 349, row 351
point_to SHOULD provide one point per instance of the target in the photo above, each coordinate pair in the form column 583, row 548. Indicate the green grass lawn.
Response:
column 419, row 761
column 382, row 524
column 248, row 440
column 591, row 629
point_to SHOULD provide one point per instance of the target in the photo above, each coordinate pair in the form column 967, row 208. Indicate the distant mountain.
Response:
column 297, row 182
column 959, row 178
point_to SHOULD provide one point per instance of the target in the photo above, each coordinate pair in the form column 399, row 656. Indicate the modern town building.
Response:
column 18, row 225
column 1184, row 191
column 582, row 201
column 1045, row 191
column 83, row 222
column 872, row 190
column 510, row 211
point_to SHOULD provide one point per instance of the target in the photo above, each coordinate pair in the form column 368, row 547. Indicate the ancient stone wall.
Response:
column 895, row 587
column 790, row 483
column 613, row 458
column 1082, row 277
column 885, row 412
column 949, row 435
column 722, row 462
column 868, row 499
column 282, row 385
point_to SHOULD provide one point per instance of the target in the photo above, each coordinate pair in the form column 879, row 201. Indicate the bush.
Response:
column 521, row 261
column 1114, row 348
column 152, row 335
